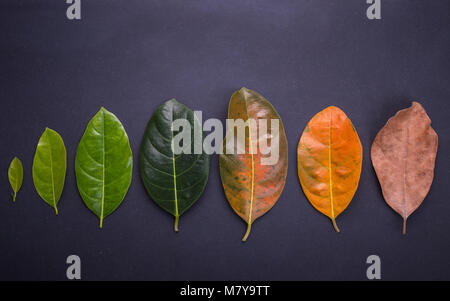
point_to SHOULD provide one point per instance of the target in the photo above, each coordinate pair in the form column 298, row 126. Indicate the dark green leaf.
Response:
column 173, row 181
column 15, row 175
column 103, row 164
column 49, row 167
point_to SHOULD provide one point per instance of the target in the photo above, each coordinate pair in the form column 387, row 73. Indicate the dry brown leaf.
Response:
column 403, row 155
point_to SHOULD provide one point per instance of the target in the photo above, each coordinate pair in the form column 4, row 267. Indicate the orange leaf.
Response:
column 329, row 162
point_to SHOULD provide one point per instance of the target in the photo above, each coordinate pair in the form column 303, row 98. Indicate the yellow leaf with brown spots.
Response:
column 254, row 178
column 329, row 162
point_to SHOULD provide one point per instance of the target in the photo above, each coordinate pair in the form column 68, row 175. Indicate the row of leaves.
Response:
column 329, row 162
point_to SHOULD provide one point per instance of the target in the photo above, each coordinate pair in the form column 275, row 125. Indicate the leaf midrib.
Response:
column 329, row 167
column 405, row 160
column 174, row 178
column 16, row 177
column 53, row 177
column 253, row 165
column 103, row 171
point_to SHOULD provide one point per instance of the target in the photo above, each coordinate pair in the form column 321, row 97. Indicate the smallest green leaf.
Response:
column 15, row 175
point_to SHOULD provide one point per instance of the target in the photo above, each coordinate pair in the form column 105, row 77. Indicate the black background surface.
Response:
column 303, row 56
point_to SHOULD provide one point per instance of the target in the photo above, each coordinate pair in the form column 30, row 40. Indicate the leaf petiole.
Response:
column 249, row 227
column 335, row 225
column 177, row 217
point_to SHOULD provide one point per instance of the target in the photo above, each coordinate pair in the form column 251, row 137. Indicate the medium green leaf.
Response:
column 173, row 181
column 15, row 175
column 49, row 167
column 103, row 164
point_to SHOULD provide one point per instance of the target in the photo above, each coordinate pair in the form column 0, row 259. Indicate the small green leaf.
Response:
column 49, row 167
column 15, row 175
column 103, row 164
column 173, row 181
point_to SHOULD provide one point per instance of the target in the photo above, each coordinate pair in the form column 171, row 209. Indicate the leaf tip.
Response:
column 335, row 109
column 415, row 103
column 171, row 100
column 47, row 129
column 244, row 91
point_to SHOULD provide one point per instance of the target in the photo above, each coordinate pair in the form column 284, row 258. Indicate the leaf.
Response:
column 251, row 187
column 329, row 157
column 403, row 155
column 103, row 164
column 173, row 181
column 15, row 175
column 49, row 167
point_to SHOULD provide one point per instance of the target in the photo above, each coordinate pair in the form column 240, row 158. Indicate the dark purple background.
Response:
column 130, row 56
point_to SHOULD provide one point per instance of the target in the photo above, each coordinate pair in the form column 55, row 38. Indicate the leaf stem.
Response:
column 335, row 225
column 404, row 226
column 177, row 217
column 101, row 222
column 249, row 227
column 56, row 210
column 14, row 197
